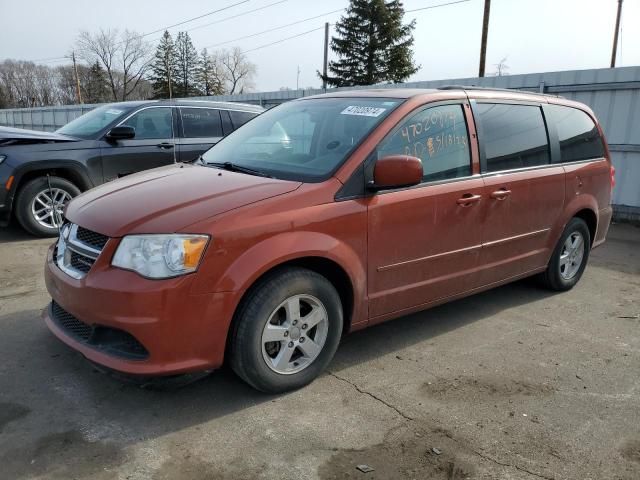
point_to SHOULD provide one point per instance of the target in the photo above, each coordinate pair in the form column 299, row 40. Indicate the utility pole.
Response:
column 614, row 50
column 485, row 33
column 326, row 56
column 75, row 71
column 298, row 79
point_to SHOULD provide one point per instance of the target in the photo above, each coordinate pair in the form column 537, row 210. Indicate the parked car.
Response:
column 364, row 206
column 40, row 172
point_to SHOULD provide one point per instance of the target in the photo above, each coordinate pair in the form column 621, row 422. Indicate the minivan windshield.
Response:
column 88, row 125
column 304, row 140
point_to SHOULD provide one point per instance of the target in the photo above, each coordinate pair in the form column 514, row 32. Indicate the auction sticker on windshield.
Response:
column 363, row 111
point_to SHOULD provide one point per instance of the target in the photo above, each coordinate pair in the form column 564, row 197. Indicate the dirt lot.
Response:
column 516, row 383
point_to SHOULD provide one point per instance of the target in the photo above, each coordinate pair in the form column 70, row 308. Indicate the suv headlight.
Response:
column 160, row 256
column 2, row 158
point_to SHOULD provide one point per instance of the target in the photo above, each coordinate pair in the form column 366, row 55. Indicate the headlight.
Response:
column 160, row 256
column 2, row 158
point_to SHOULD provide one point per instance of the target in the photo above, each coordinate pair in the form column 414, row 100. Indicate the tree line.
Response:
column 115, row 65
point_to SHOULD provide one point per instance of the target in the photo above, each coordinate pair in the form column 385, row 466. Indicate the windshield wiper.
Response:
column 234, row 167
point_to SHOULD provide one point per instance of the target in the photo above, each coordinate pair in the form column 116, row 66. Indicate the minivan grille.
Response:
column 78, row 249
column 112, row 341
column 93, row 239
column 70, row 324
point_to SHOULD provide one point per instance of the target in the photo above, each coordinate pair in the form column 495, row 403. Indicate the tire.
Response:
column 29, row 198
column 267, row 365
column 563, row 272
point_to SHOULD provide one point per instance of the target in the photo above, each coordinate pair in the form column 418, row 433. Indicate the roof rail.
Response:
column 511, row 90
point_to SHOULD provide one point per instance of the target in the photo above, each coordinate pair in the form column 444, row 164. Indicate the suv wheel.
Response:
column 569, row 258
column 39, row 209
column 286, row 330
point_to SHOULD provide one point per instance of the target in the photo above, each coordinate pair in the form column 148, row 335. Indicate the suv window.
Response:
column 201, row 122
column 578, row 135
column 240, row 118
column 514, row 136
column 151, row 123
column 437, row 136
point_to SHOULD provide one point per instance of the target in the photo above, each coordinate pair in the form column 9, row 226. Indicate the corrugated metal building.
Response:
column 611, row 92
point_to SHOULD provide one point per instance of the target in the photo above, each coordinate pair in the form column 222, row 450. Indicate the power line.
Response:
column 283, row 40
column 319, row 28
column 436, row 6
column 54, row 59
column 196, row 18
column 236, row 16
column 276, row 28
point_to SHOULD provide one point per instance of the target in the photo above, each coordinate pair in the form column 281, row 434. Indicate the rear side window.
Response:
column 437, row 136
column 514, row 136
column 240, row 118
column 578, row 135
column 201, row 122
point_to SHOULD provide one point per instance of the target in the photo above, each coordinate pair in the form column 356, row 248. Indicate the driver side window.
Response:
column 437, row 136
column 152, row 123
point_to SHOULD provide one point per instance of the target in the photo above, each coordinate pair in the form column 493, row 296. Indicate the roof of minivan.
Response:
column 377, row 92
column 406, row 93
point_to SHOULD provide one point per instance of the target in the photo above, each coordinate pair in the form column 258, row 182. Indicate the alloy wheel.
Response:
column 48, row 205
column 572, row 255
column 295, row 334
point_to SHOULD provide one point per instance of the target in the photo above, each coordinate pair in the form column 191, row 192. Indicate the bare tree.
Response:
column 238, row 71
column 502, row 68
column 25, row 84
column 125, row 57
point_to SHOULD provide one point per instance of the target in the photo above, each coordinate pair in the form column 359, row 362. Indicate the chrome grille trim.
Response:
column 74, row 256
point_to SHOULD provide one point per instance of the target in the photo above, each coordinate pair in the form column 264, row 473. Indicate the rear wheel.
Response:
column 286, row 331
column 39, row 208
column 569, row 258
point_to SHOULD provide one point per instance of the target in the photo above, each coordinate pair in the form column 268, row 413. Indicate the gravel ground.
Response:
column 515, row 383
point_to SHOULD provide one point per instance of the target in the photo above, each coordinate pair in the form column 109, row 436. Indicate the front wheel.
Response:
column 286, row 331
column 569, row 259
column 40, row 204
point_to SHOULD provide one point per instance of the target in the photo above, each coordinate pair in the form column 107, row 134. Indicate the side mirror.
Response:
column 122, row 132
column 397, row 171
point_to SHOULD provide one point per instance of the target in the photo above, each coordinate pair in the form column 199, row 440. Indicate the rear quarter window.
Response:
column 201, row 122
column 514, row 136
column 578, row 135
column 240, row 118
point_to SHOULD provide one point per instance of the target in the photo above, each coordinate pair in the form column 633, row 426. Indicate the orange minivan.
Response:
column 325, row 215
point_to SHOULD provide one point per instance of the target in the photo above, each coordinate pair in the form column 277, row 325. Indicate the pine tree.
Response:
column 209, row 76
column 96, row 88
column 372, row 44
column 187, row 62
column 164, row 71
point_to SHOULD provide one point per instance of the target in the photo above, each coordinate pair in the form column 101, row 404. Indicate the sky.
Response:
column 533, row 35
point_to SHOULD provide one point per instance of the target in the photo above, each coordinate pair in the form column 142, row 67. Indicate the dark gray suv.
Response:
column 40, row 172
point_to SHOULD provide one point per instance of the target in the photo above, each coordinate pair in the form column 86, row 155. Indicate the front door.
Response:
column 153, row 145
column 424, row 242
column 524, row 192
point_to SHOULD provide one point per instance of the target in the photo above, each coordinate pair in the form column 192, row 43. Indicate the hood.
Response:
column 20, row 136
column 167, row 199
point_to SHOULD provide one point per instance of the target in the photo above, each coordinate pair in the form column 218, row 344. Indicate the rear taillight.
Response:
column 613, row 176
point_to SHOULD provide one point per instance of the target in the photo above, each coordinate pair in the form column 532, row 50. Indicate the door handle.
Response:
column 468, row 200
column 165, row 145
column 500, row 194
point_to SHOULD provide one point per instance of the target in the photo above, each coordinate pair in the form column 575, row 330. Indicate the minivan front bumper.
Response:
column 134, row 325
